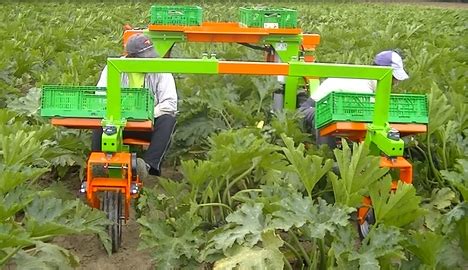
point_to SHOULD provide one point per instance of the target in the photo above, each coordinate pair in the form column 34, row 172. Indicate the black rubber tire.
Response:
column 111, row 204
column 133, row 162
column 366, row 226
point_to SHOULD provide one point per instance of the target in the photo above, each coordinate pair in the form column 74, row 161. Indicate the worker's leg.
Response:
column 307, row 108
column 164, row 126
column 328, row 140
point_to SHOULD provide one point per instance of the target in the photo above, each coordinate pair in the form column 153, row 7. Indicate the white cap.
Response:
column 393, row 59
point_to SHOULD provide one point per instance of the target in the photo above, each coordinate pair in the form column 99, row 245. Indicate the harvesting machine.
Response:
column 288, row 53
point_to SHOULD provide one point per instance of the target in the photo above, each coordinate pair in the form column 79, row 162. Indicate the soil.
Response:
column 92, row 254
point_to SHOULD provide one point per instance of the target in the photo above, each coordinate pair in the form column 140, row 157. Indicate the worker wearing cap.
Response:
column 385, row 58
column 162, row 86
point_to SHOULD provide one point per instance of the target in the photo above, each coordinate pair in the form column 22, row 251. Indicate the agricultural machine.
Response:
column 273, row 29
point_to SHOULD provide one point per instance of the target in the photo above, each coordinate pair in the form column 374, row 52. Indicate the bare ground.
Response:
column 92, row 254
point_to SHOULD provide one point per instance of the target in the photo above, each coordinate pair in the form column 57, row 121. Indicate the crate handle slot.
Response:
column 272, row 14
column 175, row 12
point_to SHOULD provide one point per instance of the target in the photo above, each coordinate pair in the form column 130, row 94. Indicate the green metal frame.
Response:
column 286, row 46
column 376, row 137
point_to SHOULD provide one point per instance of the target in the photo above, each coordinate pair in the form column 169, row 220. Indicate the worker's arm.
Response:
column 164, row 89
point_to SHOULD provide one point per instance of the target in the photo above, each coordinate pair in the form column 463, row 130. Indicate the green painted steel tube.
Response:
column 383, row 75
column 290, row 92
column 164, row 65
column 114, row 111
column 304, row 69
column 382, row 100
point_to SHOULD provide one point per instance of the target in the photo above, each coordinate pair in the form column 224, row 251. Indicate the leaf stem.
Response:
column 225, row 119
column 431, row 162
column 11, row 254
column 301, row 248
column 237, row 179
column 287, row 264
column 293, row 250
column 322, row 254
column 444, row 155
column 215, row 204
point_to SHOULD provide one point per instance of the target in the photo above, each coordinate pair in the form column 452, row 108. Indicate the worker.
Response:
column 307, row 106
column 162, row 86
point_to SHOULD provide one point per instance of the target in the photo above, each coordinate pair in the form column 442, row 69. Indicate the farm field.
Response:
column 232, row 194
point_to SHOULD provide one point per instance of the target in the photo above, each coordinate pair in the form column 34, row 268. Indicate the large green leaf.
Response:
column 172, row 243
column 237, row 150
column 196, row 172
column 13, row 235
column 253, row 258
column 458, row 178
column 246, row 226
column 20, row 148
column 343, row 245
column 14, row 201
column 46, row 256
column 13, row 176
column 440, row 201
column 49, row 217
column 309, row 168
column 329, row 219
column 442, row 198
column 440, row 110
column 315, row 219
column 358, row 171
column 455, row 224
column 381, row 242
column 426, row 246
column 7, row 117
column 29, row 104
column 397, row 208
column 288, row 122
column 292, row 211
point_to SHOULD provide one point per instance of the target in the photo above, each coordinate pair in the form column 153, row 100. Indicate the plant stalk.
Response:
column 301, row 248
column 8, row 257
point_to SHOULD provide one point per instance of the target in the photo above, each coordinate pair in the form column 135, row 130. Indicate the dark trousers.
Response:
column 160, row 139
column 307, row 108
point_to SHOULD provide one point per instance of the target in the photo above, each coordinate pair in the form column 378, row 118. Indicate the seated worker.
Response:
column 162, row 86
column 307, row 107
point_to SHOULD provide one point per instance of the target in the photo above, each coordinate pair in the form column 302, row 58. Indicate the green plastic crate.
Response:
column 176, row 15
column 359, row 107
column 90, row 102
column 268, row 17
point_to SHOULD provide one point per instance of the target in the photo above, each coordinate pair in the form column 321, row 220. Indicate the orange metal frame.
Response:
column 400, row 163
column 131, row 141
column 232, row 32
column 357, row 131
column 93, row 123
column 97, row 184
column 235, row 67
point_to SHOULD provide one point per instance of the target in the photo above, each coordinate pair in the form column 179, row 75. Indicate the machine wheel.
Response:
column 365, row 227
column 133, row 160
column 111, row 204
